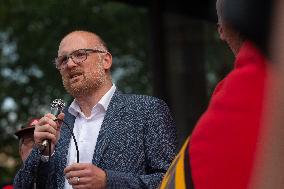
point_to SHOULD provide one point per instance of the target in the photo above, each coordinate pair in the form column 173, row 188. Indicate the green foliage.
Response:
column 30, row 32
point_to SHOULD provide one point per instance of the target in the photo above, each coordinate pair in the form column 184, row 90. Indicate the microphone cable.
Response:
column 73, row 136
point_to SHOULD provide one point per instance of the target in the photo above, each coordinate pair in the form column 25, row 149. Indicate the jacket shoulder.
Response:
column 148, row 102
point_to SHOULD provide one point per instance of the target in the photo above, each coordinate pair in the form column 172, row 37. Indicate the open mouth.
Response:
column 75, row 76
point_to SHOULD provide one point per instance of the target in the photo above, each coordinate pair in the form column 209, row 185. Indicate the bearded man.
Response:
column 125, row 141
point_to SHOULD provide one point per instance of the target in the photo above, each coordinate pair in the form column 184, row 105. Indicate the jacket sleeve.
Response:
column 34, row 170
column 160, row 149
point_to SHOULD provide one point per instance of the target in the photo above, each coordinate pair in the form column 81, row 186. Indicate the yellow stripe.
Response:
column 177, row 166
column 179, row 176
column 165, row 182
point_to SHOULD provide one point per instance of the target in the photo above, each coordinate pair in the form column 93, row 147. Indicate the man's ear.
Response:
column 107, row 60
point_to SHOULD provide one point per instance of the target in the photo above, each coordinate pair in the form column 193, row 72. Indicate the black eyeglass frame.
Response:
column 66, row 57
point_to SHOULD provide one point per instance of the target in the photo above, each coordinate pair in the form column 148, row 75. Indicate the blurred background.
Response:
column 168, row 49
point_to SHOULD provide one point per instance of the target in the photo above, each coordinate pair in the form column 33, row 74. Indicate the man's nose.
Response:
column 70, row 63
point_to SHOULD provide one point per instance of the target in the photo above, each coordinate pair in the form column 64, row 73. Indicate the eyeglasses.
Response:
column 77, row 56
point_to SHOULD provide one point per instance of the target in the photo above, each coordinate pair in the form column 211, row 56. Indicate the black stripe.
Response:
column 187, row 169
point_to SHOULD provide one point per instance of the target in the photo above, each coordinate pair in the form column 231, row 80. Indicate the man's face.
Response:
column 83, row 78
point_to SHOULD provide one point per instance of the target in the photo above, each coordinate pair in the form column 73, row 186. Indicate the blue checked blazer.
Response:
column 135, row 146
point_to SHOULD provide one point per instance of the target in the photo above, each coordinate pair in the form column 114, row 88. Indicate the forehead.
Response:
column 76, row 41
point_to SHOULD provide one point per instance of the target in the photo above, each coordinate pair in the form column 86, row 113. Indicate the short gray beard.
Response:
column 93, row 80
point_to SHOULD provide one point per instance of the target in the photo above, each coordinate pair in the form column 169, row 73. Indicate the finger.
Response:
column 50, row 116
column 46, row 128
column 75, row 167
column 70, row 173
column 79, row 173
column 59, row 121
column 77, row 170
column 44, row 131
column 47, row 119
column 40, row 136
column 74, row 181
column 61, row 116
column 79, row 166
column 78, row 182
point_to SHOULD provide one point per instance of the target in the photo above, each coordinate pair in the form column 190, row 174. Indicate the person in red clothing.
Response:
column 223, row 144
column 221, row 150
column 26, row 142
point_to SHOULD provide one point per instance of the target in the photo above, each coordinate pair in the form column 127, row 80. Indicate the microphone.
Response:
column 56, row 106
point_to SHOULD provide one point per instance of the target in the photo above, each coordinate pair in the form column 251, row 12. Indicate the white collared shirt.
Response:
column 86, row 130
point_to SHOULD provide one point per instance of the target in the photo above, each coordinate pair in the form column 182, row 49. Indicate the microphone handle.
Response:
column 56, row 112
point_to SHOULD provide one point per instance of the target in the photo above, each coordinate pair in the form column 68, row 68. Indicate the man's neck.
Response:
column 88, row 101
column 235, row 43
column 236, row 48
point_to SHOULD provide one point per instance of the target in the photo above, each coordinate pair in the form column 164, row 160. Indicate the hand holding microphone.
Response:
column 56, row 107
column 47, row 129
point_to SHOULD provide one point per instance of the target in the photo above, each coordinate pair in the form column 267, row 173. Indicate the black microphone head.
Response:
column 57, row 106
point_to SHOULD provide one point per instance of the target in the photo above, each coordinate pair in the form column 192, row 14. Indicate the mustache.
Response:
column 75, row 71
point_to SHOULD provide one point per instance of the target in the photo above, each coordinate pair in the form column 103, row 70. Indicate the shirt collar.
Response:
column 105, row 100
column 75, row 109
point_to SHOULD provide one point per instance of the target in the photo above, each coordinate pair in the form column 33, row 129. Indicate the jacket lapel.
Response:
column 63, row 146
column 111, row 120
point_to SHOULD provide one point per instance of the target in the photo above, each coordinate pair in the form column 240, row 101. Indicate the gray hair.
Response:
column 220, row 10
